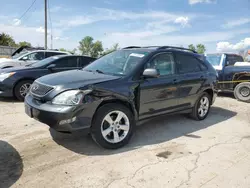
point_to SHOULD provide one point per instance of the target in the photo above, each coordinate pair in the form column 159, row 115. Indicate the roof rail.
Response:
column 132, row 47
column 179, row 48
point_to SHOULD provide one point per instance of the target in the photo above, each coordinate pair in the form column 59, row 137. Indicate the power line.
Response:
column 27, row 10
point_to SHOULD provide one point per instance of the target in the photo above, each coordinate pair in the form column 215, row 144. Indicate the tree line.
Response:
column 87, row 46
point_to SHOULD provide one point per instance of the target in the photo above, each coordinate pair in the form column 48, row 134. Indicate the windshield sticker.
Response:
column 137, row 55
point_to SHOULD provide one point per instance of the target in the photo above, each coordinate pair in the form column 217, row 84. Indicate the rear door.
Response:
column 192, row 74
column 159, row 95
column 230, row 72
column 66, row 63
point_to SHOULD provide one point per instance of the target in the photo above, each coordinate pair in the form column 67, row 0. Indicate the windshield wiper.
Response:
column 29, row 65
column 99, row 71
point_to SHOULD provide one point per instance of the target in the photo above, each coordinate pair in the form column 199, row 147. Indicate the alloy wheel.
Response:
column 115, row 126
column 24, row 89
column 204, row 106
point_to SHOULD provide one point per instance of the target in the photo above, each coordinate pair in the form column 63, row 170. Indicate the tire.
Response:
column 196, row 112
column 242, row 92
column 19, row 88
column 101, row 127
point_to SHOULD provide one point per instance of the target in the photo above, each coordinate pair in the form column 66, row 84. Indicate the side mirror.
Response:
column 25, row 58
column 51, row 66
column 150, row 73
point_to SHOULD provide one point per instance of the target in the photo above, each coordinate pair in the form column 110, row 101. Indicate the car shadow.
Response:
column 226, row 94
column 11, row 165
column 154, row 131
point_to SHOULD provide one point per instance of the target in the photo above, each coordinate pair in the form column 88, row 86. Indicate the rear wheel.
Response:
column 22, row 88
column 242, row 92
column 113, row 126
column 201, row 107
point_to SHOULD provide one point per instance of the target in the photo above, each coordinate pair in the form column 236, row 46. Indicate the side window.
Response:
column 187, row 64
column 232, row 59
column 85, row 61
column 66, row 62
column 36, row 56
column 164, row 63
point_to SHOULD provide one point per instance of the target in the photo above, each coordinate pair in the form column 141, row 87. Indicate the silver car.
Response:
column 28, row 57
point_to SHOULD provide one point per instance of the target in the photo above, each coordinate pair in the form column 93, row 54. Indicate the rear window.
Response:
column 232, row 59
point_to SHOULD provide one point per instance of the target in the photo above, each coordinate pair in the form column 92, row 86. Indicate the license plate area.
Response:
column 28, row 111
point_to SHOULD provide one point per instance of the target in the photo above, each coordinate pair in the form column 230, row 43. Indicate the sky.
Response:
column 221, row 25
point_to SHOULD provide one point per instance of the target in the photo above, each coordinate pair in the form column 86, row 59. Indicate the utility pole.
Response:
column 51, row 45
column 45, row 27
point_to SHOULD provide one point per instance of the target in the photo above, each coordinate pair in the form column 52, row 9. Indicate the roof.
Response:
column 153, row 48
column 69, row 55
column 49, row 51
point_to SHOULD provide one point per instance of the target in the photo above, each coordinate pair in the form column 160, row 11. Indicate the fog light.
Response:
column 66, row 121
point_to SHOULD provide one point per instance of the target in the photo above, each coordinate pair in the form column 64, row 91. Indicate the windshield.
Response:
column 120, row 62
column 43, row 62
column 19, row 55
column 214, row 59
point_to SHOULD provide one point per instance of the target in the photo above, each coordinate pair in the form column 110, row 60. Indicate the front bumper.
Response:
column 5, row 90
column 61, row 118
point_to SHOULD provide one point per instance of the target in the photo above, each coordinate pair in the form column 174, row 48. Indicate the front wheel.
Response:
column 113, row 126
column 242, row 92
column 22, row 88
column 201, row 107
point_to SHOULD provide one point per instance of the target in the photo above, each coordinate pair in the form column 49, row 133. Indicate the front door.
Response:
column 158, row 95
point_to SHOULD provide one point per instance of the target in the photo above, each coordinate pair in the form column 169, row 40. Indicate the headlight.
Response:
column 71, row 97
column 3, row 76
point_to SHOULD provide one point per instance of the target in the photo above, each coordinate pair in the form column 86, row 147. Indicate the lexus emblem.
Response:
column 35, row 87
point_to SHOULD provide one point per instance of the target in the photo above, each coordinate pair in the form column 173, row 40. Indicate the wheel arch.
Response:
column 20, row 80
column 5, row 67
column 210, row 92
column 125, row 103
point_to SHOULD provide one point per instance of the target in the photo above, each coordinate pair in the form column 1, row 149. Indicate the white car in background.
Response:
column 25, row 56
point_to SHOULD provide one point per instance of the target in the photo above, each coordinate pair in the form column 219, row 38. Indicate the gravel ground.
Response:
column 170, row 151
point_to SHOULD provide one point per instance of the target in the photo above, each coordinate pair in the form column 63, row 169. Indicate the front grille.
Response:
column 39, row 89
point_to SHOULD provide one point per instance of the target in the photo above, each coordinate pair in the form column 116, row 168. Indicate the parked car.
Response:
column 16, row 81
column 111, row 94
column 24, row 56
column 234, row 75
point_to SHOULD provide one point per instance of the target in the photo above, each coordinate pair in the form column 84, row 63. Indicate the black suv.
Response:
column 114, row 92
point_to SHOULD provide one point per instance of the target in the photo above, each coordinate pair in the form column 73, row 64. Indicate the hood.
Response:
column 15, row 69
column 75, row 79
column 3, row 60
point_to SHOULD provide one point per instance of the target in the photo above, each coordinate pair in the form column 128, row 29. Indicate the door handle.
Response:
column 202, row 77
column 174, row 81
